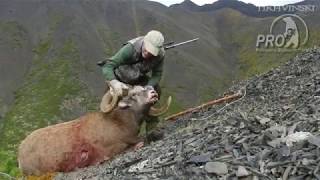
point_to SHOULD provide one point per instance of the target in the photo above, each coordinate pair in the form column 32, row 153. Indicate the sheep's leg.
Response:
column 135, row 143
column 138, row 145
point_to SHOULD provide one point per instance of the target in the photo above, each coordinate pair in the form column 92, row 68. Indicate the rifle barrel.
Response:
column 179, row 44
column 168, row 45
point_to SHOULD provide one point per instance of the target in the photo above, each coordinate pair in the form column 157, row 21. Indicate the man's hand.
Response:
column 118, row 87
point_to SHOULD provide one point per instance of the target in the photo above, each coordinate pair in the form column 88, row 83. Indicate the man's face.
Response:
column 146, row 54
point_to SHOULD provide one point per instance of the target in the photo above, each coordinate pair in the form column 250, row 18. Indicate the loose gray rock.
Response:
column 263, row 120
column 242, row 172
column 200, row 158
column 218, row 168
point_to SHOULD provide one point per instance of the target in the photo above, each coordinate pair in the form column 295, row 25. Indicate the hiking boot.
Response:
column 155, row 135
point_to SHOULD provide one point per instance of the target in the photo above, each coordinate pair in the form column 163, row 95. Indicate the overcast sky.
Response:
column 256, row 2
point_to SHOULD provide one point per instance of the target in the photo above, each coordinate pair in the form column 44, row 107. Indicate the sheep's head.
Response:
column 138, row 98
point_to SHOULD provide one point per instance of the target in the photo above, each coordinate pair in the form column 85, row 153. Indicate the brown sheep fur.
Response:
column 88, row 140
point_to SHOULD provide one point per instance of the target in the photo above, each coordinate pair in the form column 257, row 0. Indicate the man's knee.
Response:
column 151, row 123
column 158, row 90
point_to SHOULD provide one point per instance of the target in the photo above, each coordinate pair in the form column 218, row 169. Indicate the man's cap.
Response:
column 153, row 42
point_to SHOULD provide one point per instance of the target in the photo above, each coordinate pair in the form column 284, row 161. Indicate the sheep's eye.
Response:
column 133, row 94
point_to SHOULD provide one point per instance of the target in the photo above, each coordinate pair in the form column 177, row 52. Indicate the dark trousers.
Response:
column 151, row 121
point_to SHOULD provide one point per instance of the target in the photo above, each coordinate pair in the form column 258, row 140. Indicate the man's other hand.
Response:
column 118, row 87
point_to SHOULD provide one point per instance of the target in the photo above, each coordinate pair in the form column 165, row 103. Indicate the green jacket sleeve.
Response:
column 156, row 74
column 121, row 57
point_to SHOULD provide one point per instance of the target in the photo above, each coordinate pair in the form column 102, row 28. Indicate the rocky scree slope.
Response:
column 271, row 132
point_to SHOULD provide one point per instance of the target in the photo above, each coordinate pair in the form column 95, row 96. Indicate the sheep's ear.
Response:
column 124, row 104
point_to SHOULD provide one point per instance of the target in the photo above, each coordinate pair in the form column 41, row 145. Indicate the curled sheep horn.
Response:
column 109, row 101
column 159, row 111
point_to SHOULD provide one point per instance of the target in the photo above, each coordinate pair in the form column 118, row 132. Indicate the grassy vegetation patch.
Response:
column 252, row 62
column 39, row 102
column 8, row 164
column 111, row 40
column 12, row 34
column 214, row 89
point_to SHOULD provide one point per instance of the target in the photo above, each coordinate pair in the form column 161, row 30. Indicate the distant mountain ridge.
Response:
column 245, row 8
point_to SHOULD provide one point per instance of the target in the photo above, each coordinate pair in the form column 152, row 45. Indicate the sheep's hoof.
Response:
column 138, row 145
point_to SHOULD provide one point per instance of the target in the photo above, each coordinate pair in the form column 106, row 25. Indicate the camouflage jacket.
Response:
column 128, row 65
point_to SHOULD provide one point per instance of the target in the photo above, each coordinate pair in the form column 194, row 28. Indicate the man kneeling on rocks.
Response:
column 139, row 62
